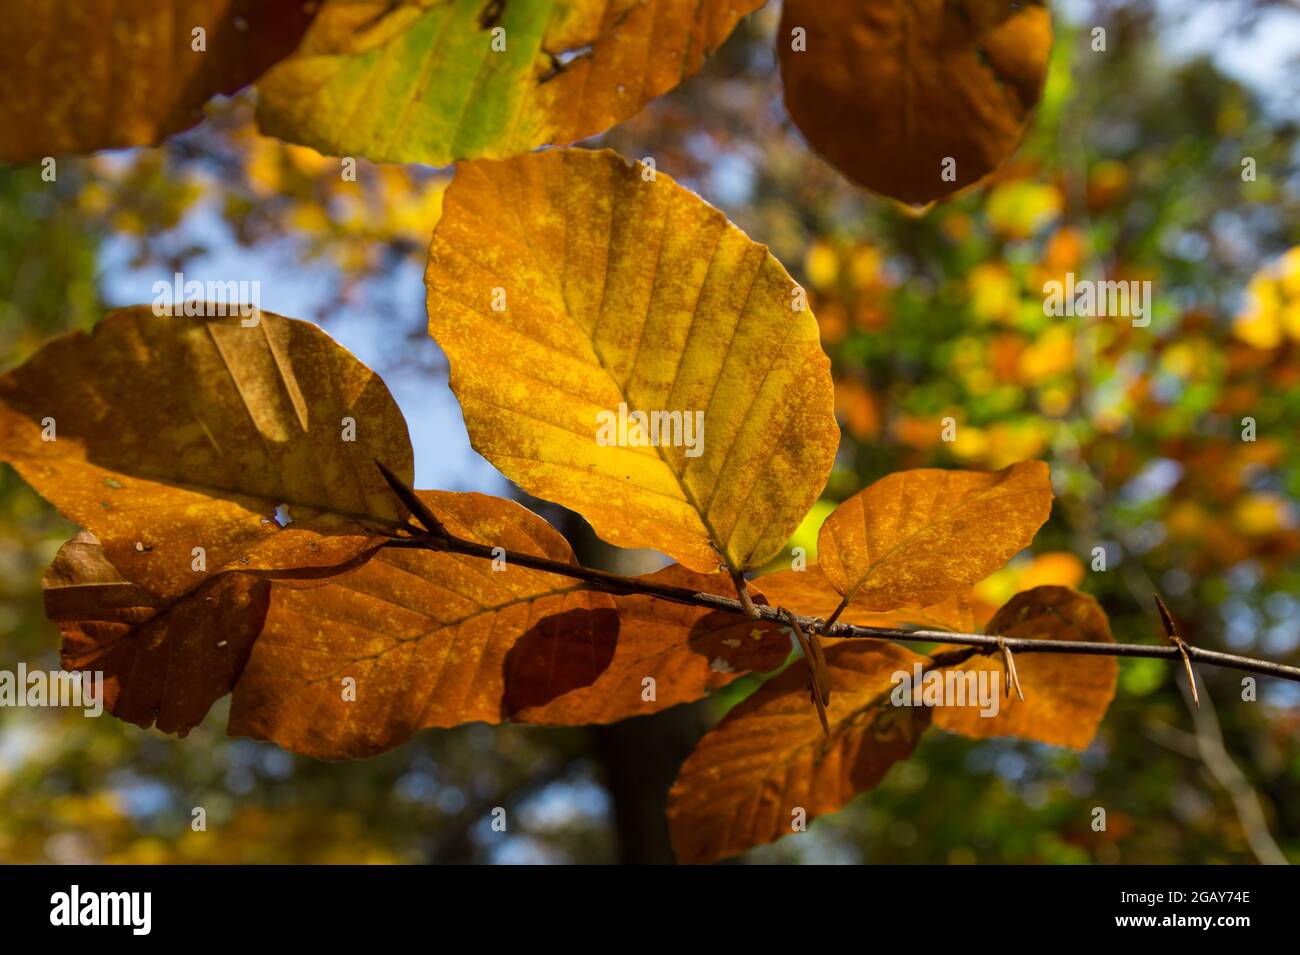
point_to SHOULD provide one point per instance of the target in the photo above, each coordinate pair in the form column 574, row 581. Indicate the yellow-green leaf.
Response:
column 917, row 538
column 414, row 81
column 569, row 290
column 184, row 444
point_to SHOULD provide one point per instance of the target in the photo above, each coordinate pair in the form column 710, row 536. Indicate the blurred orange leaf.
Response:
column 948, row 85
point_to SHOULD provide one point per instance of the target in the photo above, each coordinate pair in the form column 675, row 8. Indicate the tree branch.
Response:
column 986, row 643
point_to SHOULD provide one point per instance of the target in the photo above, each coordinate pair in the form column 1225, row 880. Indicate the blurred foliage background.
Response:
column 1131, row 170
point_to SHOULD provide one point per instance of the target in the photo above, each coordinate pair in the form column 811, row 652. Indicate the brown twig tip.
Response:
column 1171, row 631
column 408, row 497
column 815, row 659
column 1009, row 663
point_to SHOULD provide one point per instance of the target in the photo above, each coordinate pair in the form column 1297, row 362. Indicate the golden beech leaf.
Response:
column 98, row 74
column 413, row 81
column 1066, row 696
column 437, row 639
column 914, row 99
column 917, row 538
column 164, row 662
column 808, row 592
column 767, row 765
column 571, row 291
column 183, row 445
column 687, row 651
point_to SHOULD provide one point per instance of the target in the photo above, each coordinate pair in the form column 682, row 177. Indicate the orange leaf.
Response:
column 918, row 538
column 809, row 593
column 96, row 74
column 687, row 651
column 164, row 661
column 438, row 639
column 425, row 639
column 749, row 777
column 932, row 81
column 178, row 442
column 1066, row 696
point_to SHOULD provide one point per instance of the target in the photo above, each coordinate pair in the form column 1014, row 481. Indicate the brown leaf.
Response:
column 97, row 74
column 808, row 593
column 1066, row 696
column 164, row 662
column 888, row 90
column 171, row 434
column 429, row 639
column 687, row 651
column 918, row 538
column 747, row 778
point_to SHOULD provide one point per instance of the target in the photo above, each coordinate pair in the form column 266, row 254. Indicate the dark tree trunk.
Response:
column 638, row 757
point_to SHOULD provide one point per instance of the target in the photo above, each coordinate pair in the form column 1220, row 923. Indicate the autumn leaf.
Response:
column 1066, row 696
column 570, row 290
column 99, row 74
column 918, row 538
column 432, row 83
column 164, row 662
column 808, row 592
column 767, row 765
column 914, row 99
column 439, row 639
column 424, row 637
column 184, row 445
column 686, row 651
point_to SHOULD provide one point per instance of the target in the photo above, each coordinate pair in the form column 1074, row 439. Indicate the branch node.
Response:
column 1009, row 664
column 1171, row 631
column 742, row 591
column 404, row 493
column 818, row 677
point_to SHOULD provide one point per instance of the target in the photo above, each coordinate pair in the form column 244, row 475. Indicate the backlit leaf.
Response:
column 687, row 652
column 414, row 81
column 749, row 777
column 890, row 90
column 82, row 75
column 163, row 661
column 1066, row 695
column 917, row 538
column 437, row 639
column 183, row 444
column 808, row 592
column 569, row 290
column 427, row 639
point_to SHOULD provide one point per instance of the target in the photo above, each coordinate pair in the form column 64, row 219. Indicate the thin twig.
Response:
column 616, row 583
